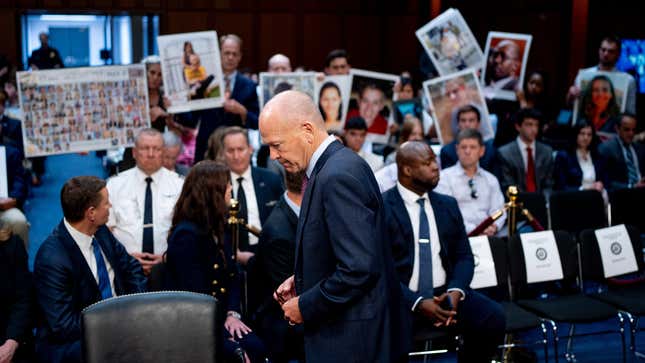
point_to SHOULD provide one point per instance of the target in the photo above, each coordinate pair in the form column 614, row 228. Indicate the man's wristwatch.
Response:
column 234, row 314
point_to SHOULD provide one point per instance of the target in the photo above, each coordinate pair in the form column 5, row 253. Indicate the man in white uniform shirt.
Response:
column 143, row 199
column 477, row 191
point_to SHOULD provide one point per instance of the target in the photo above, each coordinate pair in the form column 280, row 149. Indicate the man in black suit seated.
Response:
column 276, row 258
column 16, row 302
column 79, row 264
column 625, row 158
column 433, row 257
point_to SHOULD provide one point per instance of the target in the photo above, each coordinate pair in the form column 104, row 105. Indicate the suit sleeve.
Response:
column 561, row 169
column 350, row 215
column 462, row 256
column 252, row 108
column 548, row 176
column 54, row 282
column 131, row 271
column 505, row 171
column 19, row 321
column 275, row 253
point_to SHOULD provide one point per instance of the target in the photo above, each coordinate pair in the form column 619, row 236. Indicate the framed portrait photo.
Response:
column 274, row 83
column 333, row 94
column 371, row 99
column 505, row 66
column 602, row 98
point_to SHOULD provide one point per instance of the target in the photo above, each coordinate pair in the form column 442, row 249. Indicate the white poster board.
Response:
column 503, row 72
column 608, row 103
column 450, row 44
column 82, row 109
column 333, row 100
column 616, row 251
column 192, row 71
column 372, row 94
column 484, row 275
column 4, row 184
column 273, row 83
column 541, row 256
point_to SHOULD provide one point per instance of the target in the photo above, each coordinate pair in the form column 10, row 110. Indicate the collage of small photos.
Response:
column 82, row 109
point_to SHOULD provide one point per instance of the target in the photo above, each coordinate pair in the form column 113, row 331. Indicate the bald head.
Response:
column 291, row 124
column 279, row 63
column 417, row 167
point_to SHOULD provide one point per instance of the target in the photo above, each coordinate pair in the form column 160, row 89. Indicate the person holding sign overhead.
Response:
column 433, row 257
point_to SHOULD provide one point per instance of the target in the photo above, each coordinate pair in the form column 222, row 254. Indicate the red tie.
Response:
column 303, row 187
column 530, row 171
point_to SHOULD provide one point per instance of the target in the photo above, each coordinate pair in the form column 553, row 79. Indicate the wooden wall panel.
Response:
column 322, row 33
column 362, row 39
column 9, row 28
column 400, row 50
column 241, row 24
column 186, row 21
column 276, row 35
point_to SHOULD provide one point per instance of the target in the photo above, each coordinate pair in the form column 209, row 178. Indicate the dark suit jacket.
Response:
column 65, row 286
column 512, row 170
column 245, row 93
column 456, row 256
column 16, row 174
column 448, row 156
column 268, row 189
column 11, row 133
column 277, row 244
column 16, row 300
column 195, row 263
column 568, row 175
column 349, row 294
column 616, row 166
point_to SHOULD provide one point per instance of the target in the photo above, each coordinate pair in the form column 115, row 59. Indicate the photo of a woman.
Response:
column 599, row 103
column 330, row 103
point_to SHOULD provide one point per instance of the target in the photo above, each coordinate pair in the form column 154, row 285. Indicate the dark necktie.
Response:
column 632, row 173
column 244, row 214
column 530, row 171
column 148, row 239
column 425, row 253
column 227, row 86
column 104, row 278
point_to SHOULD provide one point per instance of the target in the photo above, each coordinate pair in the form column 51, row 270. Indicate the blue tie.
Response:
column 104, row 278
column 148, row 239
column 632, row 173
column 425, row 254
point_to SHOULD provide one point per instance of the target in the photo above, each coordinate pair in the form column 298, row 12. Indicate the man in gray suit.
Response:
column 625, row 159
column 525, row 162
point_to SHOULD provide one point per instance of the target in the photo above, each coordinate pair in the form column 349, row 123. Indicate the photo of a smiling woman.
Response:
column 599, row 105
column 330, row 104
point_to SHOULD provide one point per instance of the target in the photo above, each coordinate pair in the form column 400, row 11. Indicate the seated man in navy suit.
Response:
column 625, row 158
column 433, row 257
column 79, row 264
column 241, row 106
column 468, row 117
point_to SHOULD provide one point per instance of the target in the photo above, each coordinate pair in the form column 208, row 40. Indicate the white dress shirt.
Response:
column 294, row 207
column 523, row 147
column 438, row 273
column 84, row 243
column 127, row 193
column 454, row 182
column 588, row 170
column 387, row 177
column 318, row 153
column 252, row 210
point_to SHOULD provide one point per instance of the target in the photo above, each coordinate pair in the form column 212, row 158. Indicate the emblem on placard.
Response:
column 541, row 254
column 616, row 248
column 476, row 259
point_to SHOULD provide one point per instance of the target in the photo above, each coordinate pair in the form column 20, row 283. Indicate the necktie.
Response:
column 241, row 198
column 148, row 239
column 227, row 82
column 303, row 186
column 632, row 173
column 104, row 278
column 530, row 171
column 425, row 253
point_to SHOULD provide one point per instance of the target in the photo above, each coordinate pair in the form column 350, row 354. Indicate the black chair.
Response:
column 151, row 327
column 518, row 319
column 626, row 295
column 574, row 211
column 627, row 207
column 536, row 204
column 426, row 337
column 570, row 305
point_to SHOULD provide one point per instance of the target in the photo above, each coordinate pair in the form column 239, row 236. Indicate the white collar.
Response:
column 246, row 174
column 318, row 153
column 409, row 196
column 83, row 240
column 523, row 145
column 141, row 176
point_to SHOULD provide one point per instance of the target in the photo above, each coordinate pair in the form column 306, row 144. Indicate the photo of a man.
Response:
column 506, row 57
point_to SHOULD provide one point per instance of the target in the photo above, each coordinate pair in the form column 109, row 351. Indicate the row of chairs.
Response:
column 567, row 302
column 574, row 211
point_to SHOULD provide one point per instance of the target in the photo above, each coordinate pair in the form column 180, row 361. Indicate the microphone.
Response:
column 239, row 353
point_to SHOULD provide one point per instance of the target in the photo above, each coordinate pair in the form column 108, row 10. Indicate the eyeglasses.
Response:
column 473, row 191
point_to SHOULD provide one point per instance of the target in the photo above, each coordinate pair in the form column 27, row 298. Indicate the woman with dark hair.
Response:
column 581, row 167
column 198, row 258
column 599, row 104
column 188, row 50
column 330, row 104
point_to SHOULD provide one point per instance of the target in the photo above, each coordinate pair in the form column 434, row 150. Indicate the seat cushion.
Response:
column 518, row 318
column 632, row 300
column 573, row 308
